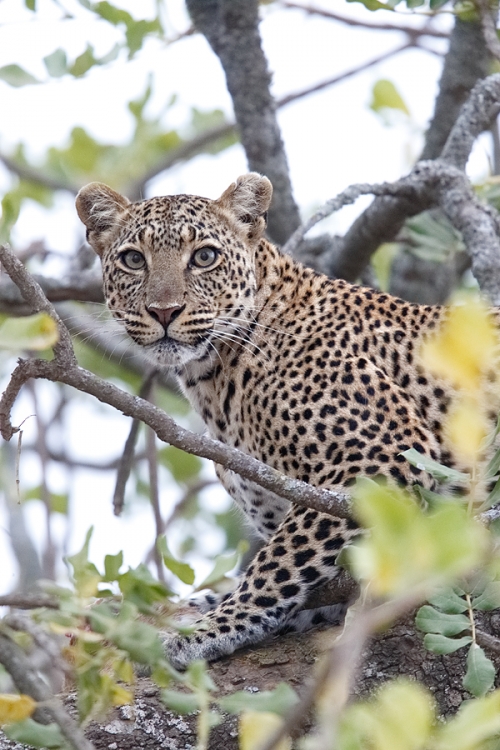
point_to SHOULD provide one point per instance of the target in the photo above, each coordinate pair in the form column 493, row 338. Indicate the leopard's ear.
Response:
column 99, row 207
column 248, row 200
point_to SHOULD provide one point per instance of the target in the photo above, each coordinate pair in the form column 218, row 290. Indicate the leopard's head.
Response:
column 177, row 268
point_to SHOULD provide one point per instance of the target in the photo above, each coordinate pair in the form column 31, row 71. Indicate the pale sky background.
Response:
column 332, row 139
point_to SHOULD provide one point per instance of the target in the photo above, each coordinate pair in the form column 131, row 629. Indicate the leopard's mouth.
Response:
column 170, row 352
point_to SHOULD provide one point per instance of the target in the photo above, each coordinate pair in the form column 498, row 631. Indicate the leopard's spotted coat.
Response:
column 316, row 377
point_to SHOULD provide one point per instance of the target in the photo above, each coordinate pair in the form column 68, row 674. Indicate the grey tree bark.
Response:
column 232, row 29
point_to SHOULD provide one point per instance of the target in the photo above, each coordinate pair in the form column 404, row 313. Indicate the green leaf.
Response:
column 489, row 598
column 408, row 547
column 386, row 96
column 435, row 469
column 475, row 722
column 83, row 62
column 59, row 502
column 137, row 32
column 113, row 14
column 181, row 703
column 56, row 63
column 493, row 496
column 183, row 571
column 139, row 587
column 480, row 675
column 493, row 466
column 430, row 620
column 183, row 466
column 85, row 574
column 112, row 565
column 278, row 701
column 223, row 564
column 199, row 677
column 382, row 261
column 139, row 640
column 436, row 4
column 34, row 332
column 16, row 76
column 448, row 601
column 400, row 717
column 440, row 644
column 31, row 733
column 30, row 4
column 372, row 4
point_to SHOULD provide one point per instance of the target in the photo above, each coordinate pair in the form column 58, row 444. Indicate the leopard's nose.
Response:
column 165, row 315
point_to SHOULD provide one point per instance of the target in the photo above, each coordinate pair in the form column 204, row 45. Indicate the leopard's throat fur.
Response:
column 316, row 377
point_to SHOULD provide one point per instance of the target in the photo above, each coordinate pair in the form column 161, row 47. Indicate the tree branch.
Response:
column 30, row 174
column 466, row 62
column 435, row 183
column 231, row 28
column 488, row 25
column 64, row 369
column 476, row 116
column 85, row 286
column 412, row 31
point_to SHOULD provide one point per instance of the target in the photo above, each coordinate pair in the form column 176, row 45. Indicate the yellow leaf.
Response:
column 467, row 428
column 120, row 696
column 464, row 347
column 401, row 716
column 35, row 332
column 386, row 96
column 408, row 547
column 256, row 727
column 15, row 707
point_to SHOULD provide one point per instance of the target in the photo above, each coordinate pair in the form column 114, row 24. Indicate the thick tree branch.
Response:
column 231, row 28
column 64, row 369
column 476, row 116
column 435, row 183
column 466, row 62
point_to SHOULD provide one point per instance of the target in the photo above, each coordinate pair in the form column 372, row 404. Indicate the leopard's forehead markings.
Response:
column 170, row 220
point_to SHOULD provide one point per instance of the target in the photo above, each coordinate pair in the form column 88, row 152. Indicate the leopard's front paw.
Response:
column 180, row 651
column 202, row 644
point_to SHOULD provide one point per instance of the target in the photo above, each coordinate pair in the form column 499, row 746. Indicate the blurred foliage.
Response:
column 111, row 618
column 85, row 159
column 33, row 333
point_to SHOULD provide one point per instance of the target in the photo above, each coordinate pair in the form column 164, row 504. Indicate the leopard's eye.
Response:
column 204, row 257
column 133, row 259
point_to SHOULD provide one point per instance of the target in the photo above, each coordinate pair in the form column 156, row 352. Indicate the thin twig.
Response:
column 289, row 98
column 127, row 458
column 488, row 641
column 49, row 552
column 410, row 30
column 154, row 495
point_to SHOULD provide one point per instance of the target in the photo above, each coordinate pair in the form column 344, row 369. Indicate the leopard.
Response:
column 317, row 377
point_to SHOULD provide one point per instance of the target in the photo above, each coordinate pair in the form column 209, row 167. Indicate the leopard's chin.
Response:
column 170, row 353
